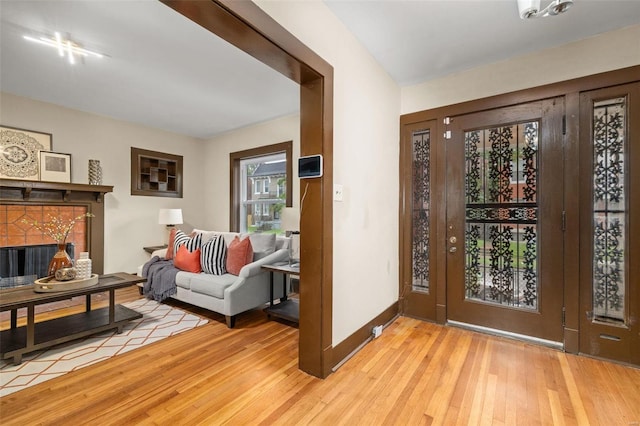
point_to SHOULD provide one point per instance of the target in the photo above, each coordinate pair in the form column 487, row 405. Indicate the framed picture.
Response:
column 55, row 167
column 20, row 152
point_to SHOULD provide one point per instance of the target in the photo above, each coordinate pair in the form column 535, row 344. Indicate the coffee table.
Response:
column 17, row 341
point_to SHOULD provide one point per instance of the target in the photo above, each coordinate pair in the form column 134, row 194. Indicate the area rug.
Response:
column 158, row 322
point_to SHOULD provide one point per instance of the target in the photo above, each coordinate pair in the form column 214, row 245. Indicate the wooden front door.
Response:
column 610, row 223
column 504, row 219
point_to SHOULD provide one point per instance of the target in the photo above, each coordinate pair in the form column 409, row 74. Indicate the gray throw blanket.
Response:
column 161, row 279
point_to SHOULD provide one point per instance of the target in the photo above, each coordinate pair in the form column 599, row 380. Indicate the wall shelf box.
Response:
column 155, row 173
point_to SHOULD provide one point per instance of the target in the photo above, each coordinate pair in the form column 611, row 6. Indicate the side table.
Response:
column 288, row 309
column 151, row 249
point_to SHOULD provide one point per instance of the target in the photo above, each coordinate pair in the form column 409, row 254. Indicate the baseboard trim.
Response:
column 507, row 334
column 344, row 350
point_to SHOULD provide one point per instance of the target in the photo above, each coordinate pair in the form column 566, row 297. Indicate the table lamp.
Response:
column 170, row 218
column 290, row 222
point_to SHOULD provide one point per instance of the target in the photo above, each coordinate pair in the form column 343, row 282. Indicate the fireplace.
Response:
column 21, row 265
column 17, row 232
column 35, row 200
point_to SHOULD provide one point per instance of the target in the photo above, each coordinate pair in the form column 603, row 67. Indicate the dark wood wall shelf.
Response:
column 30, row 190
column 156, row 173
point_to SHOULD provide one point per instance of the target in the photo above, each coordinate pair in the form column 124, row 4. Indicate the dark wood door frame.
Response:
column 246, row 26
column 570, row 90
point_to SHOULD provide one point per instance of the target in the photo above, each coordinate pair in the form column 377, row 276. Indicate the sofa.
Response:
column 229, row 294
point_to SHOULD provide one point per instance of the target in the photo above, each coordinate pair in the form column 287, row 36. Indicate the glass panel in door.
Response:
column 501, row 209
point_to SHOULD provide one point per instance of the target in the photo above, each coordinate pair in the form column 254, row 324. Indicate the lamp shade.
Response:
column 290, row 219
column 170, row 217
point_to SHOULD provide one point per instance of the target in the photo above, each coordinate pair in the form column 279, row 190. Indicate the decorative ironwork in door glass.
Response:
column 609, row 209
column 501, row 209
column 421, row 145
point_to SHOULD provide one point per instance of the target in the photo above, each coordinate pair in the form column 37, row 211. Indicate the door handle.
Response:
column 453, row 240
column 453, row 249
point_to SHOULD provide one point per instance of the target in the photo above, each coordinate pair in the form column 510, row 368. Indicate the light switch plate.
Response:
column 337, row 192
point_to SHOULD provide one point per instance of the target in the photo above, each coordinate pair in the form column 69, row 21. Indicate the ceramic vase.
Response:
column 83, row 266
column 95, row 172
column 60, row 260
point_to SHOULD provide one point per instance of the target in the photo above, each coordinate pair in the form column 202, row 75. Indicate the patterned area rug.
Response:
column 158, row 322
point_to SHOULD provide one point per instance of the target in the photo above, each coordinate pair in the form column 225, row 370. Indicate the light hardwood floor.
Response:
column 415, row 373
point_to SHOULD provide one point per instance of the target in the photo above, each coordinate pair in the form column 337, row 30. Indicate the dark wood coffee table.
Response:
column 17, row 341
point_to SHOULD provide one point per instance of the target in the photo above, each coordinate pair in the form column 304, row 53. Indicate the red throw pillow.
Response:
column 186, row 260
column 239, row 253
column 172, row 238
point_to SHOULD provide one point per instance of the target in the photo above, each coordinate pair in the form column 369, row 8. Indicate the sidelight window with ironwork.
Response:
column 421, row 208
column 501, row 211
column 609, row 210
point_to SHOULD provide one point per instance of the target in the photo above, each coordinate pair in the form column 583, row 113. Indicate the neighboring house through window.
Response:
column 260, row 179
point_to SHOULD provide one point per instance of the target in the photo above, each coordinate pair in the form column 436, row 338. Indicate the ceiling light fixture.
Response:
column 531, row 8
column 72, row 49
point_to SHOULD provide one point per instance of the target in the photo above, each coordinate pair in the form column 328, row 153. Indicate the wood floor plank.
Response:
column 415, row 373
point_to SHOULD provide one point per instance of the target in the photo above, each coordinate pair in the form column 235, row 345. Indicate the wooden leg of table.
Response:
column 284, row 288
column 271, row 289
column 31, row 325
column 17, row 359
column 14, row 318
column 112, row 306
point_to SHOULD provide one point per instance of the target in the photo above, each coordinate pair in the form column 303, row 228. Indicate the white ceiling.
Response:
column 416, row 41
column 163, row 71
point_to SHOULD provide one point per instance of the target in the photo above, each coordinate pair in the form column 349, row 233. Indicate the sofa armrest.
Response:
column 162, row 253
column 254, row 268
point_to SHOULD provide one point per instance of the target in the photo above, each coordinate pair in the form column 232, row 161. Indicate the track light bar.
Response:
column 531, row 8
column 61, row 45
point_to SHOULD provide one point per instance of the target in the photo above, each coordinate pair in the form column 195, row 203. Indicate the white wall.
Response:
column 131, row 222
column 365, row 141
column 604, row 52
column 216, row 168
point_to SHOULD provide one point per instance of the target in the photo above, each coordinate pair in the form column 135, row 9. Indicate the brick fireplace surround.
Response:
column 14, row 232
column 36, row 200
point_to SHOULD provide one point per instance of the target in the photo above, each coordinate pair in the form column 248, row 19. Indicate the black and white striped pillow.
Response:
column 213, row 256
column 182, row 239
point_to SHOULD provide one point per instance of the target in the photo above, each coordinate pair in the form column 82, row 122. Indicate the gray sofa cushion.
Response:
column 262, row 244
column 183, row 279
column 212, row 285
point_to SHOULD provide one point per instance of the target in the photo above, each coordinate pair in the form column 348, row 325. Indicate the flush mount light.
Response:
column 531, row 8
column 64, row 47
